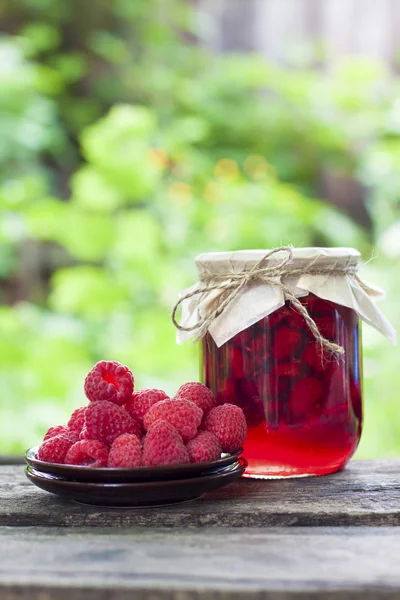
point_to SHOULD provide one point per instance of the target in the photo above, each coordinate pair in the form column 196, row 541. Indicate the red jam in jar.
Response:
column 303, row 407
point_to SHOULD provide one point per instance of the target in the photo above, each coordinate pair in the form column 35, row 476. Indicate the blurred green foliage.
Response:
column 127, row 148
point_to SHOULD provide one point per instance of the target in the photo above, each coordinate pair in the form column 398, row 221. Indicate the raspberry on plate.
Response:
column 54, row 449
column 109, row 380
column 53, row 431
column 163, row 446
column 142, row 400
column 182, row 414
column 204, row 448
column 105, row 421
column 126, row 451
column 228, row 423
column 88, row 453
column 199, row 394
column 77, row 419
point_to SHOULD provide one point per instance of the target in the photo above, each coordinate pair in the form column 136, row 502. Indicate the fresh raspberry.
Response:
column 72, row 435
column 88, row 453
column 77, row 419
column 104, row 421
column 204, row 448
column 126, row 451
column 228, row 423
column 199, row 394
column 163, row 446
column 141, row 401
column 53, row 431
column 54, row 449
column 285, row 342
column 109, row 380
column 182, row 414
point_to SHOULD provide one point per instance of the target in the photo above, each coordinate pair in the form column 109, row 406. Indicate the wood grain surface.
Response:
column 159, row 564
column 366, row 493
column 253, row 539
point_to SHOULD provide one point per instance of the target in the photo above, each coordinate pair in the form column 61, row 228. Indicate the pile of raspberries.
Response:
column 123, row 428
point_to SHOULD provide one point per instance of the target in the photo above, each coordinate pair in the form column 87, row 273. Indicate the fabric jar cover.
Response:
column 257, row 299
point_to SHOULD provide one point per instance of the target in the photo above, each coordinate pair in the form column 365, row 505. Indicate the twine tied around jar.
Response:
column 233, row 283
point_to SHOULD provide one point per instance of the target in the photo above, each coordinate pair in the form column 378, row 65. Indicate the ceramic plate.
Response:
column 110, row 475
column 154, row 493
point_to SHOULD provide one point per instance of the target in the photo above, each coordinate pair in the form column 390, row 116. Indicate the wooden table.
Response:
column 334, row 537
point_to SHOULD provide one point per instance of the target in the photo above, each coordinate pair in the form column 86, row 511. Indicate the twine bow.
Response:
column 232, row 284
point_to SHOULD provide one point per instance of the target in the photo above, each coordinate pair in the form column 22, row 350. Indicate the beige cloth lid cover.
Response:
column 259, row 299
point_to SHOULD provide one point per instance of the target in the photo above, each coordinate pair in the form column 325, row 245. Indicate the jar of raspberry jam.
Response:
column 303, row 409
column 296, row 374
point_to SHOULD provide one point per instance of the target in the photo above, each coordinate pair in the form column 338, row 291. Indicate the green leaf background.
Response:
column 127, row 148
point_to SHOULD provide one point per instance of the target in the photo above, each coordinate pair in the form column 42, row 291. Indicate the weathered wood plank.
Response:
column 366, row 493
column 11, row 460
column 42, row 563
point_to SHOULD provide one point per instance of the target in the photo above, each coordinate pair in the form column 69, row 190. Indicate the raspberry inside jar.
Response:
column 303, row 407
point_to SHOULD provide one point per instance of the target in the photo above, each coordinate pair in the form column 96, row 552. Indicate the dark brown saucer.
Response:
column 153, row 493
column 142, row 474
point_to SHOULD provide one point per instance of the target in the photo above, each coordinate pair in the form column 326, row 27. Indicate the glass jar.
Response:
column 280, row 337
column 303, row 407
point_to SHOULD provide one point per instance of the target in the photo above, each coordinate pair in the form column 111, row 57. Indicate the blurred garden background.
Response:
column 136, row 134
